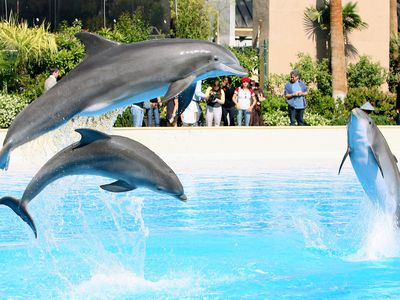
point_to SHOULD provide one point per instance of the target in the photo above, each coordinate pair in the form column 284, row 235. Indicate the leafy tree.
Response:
column 193, row 20
column 128, row 29
column 365, row 73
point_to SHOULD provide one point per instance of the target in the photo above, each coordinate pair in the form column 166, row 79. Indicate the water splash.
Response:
column 379, row 236
column 31, row 156
column 113, row 282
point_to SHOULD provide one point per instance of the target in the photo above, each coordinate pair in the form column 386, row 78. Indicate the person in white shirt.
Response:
column 244, row 100
column 51, row 80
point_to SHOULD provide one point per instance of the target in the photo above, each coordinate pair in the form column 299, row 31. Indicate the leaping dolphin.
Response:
column 130, row 163
column 373, row 162
column 114, row 75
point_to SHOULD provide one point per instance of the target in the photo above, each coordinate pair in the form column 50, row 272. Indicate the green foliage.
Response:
column 32, row 44
column 365, row 74
column 384, row 103
column 318, row 103
column 125, row 119
column 307, row 68
column 248, row 59
column 320, row 17
column 128, row 29
column 193, row 20
column 314, row 73
column 394, row 65
column 10, row 106
column 276, row 83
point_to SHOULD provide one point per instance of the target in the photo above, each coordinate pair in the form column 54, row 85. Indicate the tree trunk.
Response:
column 393, row 18
column 260, row 35
column 338, row 60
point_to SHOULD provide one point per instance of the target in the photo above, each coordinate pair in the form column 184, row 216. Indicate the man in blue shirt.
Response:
column 295, row 92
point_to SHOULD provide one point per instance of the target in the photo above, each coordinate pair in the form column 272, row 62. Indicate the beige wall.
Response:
column 287, row 35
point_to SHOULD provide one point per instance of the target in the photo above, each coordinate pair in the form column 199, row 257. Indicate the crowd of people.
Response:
column 224, row 105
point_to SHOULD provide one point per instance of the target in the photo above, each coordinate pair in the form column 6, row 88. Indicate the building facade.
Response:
column 282, row 24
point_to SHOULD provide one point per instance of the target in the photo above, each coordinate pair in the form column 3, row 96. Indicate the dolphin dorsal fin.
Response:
column 344, row 158
column 94, row 43
column 395, row 159
column 89, row 136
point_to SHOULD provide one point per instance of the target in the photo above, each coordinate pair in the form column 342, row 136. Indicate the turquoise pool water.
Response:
column 264, row 235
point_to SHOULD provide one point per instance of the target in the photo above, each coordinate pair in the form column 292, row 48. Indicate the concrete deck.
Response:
column 241, row 149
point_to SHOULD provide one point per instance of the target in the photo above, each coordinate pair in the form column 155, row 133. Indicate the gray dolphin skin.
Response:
column 115, row 75
column 373, row 162
column 128, row 162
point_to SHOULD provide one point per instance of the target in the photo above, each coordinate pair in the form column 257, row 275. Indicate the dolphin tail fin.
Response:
column 20, row 208
column 5, row 156
column 344, row 158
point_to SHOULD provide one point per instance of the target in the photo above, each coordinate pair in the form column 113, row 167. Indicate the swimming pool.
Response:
column 279, row 234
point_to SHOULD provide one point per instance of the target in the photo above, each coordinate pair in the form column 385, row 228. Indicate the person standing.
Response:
column 137, row 114
column 172, row 106
column 256, row 116
column 52, row 79
column 295, row 92
column 228, row 108
column 153, row 110
column 215, row 97
column 244, row 100
column 191, row 114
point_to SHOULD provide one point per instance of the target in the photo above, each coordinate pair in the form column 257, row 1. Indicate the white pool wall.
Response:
column 222, row 148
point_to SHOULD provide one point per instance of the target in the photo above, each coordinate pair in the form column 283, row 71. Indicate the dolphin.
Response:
column 130, row 163
column 114, row 75
column 373, row 162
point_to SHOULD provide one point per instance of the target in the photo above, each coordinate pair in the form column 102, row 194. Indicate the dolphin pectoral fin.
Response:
column 118, row 187
column 94, row 43
column 186, row 97
column 5, row 157
column 178, row 87
column 89, row 136
column 376, row 156
column 20, row 208
column 344, row 158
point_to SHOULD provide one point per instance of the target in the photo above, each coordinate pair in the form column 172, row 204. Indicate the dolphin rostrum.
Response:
column 373, row 162
column 130, row 163
column 115, row 75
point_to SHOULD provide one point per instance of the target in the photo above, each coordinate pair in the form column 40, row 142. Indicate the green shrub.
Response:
column 384, row 103
column 307, row 68
column 125, row 119
column 10, row 106
column 318, row 103
column 365, row 74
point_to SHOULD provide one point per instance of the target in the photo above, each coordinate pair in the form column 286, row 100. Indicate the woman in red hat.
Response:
column 244, row 100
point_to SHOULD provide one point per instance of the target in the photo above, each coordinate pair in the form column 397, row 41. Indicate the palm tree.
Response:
column 336, row 23
column 338, row 60
column 393, row 17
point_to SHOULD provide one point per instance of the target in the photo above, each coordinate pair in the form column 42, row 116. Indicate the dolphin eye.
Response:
column 370, row 122
column 216, row 58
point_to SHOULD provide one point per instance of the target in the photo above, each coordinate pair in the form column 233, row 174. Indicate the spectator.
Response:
column 137, row 114
column 244, row 100
column 191, row 114
column 172, row 109
column 228, row 108
column 52, row 79
column 215, row 97
column 256, row 117
column 295, row 92
column 153, row 110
